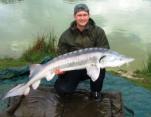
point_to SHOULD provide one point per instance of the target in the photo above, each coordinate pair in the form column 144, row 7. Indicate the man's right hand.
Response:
column 58, row 72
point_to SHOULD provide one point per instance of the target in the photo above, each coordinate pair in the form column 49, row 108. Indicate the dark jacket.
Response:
column 73, row 39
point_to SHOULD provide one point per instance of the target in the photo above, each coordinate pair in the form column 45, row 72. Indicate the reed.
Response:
column 43, row 46
column 146, row 70
column 149, row 64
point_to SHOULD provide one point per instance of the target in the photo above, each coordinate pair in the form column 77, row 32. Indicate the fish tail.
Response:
column 20, row 89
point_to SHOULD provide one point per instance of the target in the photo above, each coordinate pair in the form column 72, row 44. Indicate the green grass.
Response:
column 42, row 47
column 10, row 62
column 146, row 70
column 144, row 81
column 145, row 73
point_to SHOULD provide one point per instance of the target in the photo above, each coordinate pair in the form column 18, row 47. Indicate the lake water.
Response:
column 126, row 22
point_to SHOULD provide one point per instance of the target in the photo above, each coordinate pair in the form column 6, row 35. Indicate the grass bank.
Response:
column 10, row 62
column 139, row 77
column 145, row 73
column 146, row 69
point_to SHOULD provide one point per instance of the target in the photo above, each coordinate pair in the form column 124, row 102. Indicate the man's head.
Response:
column 81, row 14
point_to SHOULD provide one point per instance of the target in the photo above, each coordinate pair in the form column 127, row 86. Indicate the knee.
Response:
column 62, row 88
column 102, row 73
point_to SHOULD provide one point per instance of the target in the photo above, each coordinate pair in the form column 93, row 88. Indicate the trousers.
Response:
column 68, row 82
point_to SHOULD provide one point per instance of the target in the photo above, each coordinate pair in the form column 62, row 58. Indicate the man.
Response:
column 83, row 33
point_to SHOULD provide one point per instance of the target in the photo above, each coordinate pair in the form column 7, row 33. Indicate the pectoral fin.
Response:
column 50, row 76
column 93, row 71
column 36, row 84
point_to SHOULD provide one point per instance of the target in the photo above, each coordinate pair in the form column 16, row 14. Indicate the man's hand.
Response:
column 58, row 72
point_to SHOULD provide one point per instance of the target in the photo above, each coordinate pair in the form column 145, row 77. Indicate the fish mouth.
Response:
column 127, row 61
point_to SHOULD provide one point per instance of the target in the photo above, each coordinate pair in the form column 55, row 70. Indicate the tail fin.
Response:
column 20, row 89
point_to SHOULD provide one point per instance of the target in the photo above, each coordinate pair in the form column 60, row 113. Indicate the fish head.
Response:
column 113, row 60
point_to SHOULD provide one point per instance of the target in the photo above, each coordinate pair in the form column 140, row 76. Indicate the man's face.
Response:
column 81, row 18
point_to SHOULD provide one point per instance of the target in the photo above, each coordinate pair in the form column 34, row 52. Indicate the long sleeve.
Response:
column 102, row 40
column 62, row 45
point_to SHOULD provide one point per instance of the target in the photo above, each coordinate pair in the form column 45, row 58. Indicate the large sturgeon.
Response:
column 91, row 59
